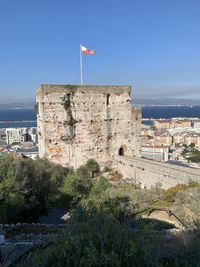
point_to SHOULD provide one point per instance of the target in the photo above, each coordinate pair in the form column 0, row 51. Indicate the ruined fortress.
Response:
column 77, row 123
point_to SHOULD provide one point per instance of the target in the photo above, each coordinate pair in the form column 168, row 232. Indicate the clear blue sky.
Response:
column 153, row 45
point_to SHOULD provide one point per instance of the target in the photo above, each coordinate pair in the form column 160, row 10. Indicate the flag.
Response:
column 84, row 50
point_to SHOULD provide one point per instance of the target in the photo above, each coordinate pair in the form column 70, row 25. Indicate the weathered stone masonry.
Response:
column 76, row 123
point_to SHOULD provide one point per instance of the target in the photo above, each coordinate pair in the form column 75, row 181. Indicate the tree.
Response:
column 57, row 173
column 6, row 176
column 192, row 145
column 77, row 185
column 93, row 167
column 100, row 186
column 33, row 184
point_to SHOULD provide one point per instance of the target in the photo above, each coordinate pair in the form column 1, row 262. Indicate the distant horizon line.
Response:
column 133, row 104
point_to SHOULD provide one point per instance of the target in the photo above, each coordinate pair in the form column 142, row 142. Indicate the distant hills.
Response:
column 136, row 101
column 28, row 104
column 166, row 101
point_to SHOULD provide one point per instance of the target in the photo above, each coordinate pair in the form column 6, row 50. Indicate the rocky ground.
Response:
column 19, row 239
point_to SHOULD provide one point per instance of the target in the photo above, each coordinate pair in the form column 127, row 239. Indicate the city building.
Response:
column 21, row 135
column 173, row 123
column 15, row 135
column 197, row 124
column 180, row 123
column 2, row 136
column 162, row 124
column 31, row 135
column 158, row 153
column 29, row 153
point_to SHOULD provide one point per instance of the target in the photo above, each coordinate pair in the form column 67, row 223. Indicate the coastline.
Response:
column 25, row 116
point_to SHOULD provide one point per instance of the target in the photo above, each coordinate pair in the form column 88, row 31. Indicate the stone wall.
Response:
column 149, row 173
column 76, row 123
column 136, row 130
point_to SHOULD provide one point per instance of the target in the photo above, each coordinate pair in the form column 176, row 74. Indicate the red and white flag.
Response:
column 84, row 50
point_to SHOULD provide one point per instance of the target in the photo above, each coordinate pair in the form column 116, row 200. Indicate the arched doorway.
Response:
column 121, row 151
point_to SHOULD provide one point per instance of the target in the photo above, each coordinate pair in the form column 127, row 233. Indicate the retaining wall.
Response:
column 149, row 173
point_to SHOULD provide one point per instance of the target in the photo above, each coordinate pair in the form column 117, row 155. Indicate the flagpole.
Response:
column 81, row 66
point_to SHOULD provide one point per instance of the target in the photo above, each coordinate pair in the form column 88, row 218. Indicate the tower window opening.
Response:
column 121, row 151
column 107, row 99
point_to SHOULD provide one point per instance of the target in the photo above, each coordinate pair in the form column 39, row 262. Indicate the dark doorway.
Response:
column 121, row 151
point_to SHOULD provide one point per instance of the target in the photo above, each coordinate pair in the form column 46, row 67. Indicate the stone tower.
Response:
column 77, row 123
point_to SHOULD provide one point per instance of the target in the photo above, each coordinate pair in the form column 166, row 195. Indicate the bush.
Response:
column 100, row 186
column 169, row 195
column 93, row 167
column 95, row 238
column 27, row 187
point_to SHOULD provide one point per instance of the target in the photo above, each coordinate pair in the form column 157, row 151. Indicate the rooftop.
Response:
column 28, row 150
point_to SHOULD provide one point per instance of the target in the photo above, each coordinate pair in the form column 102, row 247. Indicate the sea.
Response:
column 17, row 117
column 26, row 117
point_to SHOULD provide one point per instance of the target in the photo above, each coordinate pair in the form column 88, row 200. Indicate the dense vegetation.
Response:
column 191, row 153
column 28, row 187
column 105, row 227
column 105, row 231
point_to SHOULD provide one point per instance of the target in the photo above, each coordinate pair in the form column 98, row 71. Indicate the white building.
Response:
column 15, row 135
column 158, row 153
column 21, row 135
column 31, row 135
column 197, row 124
